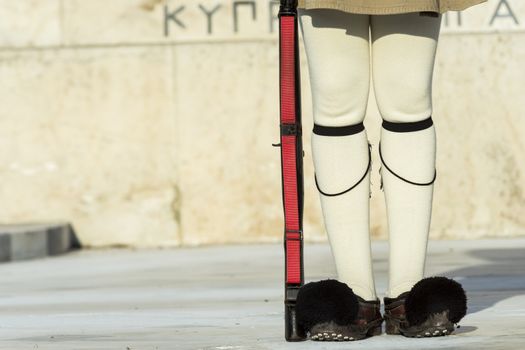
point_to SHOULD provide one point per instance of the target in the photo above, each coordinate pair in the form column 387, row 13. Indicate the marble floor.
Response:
column 231, row 297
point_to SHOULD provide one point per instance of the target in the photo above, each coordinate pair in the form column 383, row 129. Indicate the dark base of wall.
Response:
column 38, row 240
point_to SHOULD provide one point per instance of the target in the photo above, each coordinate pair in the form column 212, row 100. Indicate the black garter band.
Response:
column 342, row 131
column 406, row 127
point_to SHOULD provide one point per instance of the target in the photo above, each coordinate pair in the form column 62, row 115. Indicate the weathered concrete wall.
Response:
column 148, row 123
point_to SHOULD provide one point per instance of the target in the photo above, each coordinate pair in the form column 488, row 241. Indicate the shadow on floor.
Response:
column 501, row 277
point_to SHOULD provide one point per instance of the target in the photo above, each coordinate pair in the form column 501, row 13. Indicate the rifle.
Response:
column 291, row 163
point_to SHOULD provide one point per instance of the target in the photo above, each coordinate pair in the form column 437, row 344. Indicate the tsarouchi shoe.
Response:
column 429, row 309
column 329, row 310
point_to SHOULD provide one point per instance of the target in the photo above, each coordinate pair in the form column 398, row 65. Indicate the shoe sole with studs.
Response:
column 329, row 331
column 436, row 325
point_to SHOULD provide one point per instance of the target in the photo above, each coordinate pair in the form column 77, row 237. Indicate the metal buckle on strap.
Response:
column 291, row 293
column 293, row 235
column 289, row 129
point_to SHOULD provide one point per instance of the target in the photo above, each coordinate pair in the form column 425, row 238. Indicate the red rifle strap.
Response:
column 288, row 151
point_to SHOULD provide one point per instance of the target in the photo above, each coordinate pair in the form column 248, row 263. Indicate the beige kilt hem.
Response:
column 383, row 10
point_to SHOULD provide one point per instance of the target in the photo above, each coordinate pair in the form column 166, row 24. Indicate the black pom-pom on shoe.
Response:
column 428, row 309
column 434, row 295
column 329, row 310
column 325, row 301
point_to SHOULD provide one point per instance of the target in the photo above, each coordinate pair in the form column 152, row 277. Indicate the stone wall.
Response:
column 150, row 123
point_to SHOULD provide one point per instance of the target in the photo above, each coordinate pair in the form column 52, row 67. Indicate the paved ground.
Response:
column 230, row 297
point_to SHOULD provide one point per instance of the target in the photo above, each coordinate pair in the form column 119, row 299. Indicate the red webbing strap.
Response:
column 288, row 151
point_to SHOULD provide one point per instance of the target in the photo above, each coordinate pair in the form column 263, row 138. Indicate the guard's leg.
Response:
column 337, row 49
column 403, row 53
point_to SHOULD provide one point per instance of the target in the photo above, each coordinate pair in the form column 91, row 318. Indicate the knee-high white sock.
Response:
column 403, row 54
column 340, row 162
column 411, row 155
column 338, row 52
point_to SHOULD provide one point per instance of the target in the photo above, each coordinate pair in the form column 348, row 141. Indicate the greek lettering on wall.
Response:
column 246, row 19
